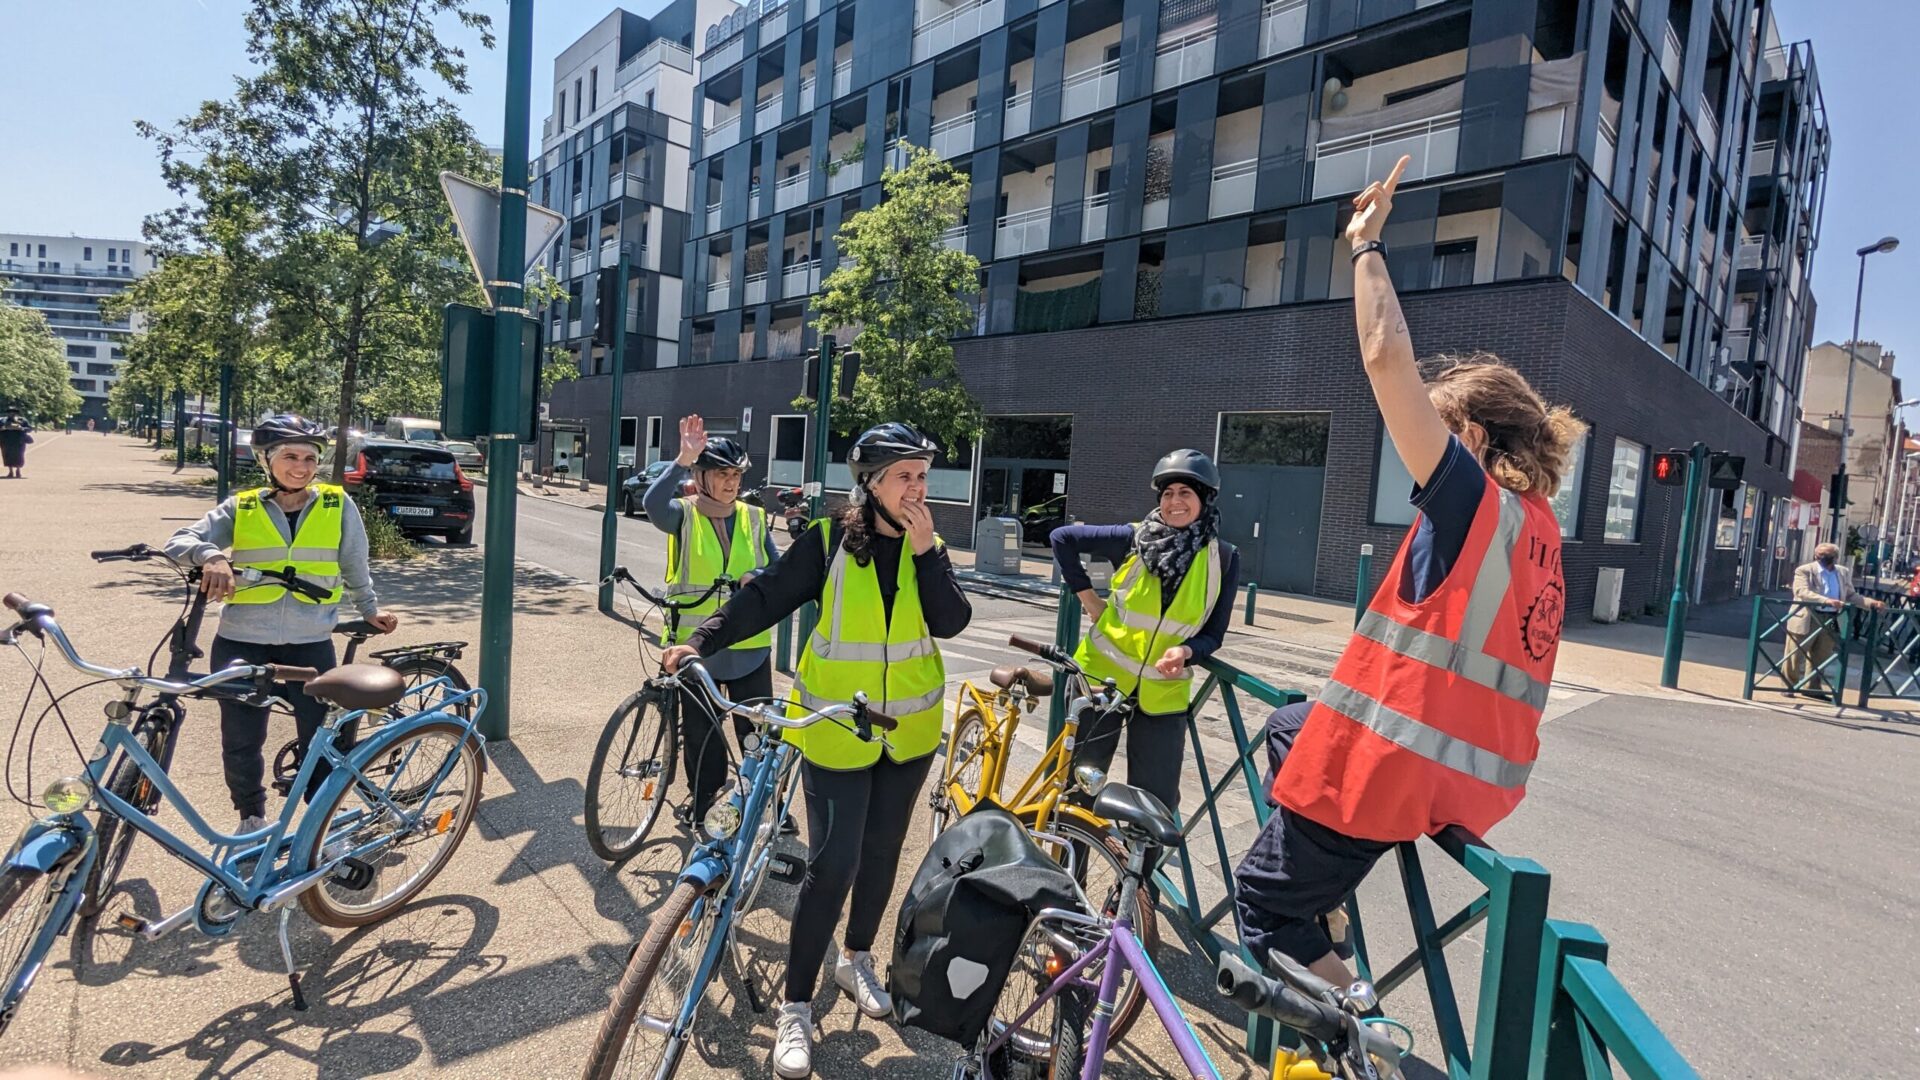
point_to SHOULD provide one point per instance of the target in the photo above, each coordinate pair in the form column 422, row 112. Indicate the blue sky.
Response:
column 78, row 73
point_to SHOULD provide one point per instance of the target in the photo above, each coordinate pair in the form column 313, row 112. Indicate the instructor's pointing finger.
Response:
column 1393, row 178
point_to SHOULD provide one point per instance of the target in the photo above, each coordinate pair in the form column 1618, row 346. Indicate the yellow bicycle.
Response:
column 978, row 753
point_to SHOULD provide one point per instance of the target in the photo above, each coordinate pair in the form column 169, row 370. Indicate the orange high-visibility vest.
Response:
column 1432, row 715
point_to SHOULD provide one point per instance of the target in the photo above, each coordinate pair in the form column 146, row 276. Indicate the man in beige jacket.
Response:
column 1825, row 587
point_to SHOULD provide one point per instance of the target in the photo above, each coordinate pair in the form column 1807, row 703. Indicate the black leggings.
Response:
column 856, row 824
column 1156, row 748
column 243, row 728
column 701, row 746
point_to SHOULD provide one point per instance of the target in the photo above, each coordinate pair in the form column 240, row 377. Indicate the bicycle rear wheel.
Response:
column 418, row 670
column 963, row 746
column 1101, row 865
column 427, row 832
column 114, row 836
column 633, row 766
column 634, row 1038
column 26, row 902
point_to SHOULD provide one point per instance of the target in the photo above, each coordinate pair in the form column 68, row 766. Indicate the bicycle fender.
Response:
column 48, row 842
column 704, row 871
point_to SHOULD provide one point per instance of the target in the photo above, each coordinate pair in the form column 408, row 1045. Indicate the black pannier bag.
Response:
column 982, row 882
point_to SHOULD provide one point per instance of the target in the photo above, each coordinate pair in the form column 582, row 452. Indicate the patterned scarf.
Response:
column 1168, row 551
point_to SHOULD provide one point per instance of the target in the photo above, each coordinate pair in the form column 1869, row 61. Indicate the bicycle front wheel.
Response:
column 27, row 899
column 1100, row 863
column 428, row 828
column 115, row 837
column 966, row 766
column 636, row 1036
column 632, row 769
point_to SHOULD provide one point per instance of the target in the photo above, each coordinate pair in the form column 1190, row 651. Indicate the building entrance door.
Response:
column 1273, row 473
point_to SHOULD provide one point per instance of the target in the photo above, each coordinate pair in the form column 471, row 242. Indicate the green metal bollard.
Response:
column 1753, row 645
column 1066, row 635
column 1361, row 578
column 1253, row 594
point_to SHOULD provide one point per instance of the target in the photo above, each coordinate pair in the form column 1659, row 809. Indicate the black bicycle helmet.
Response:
column 283, row 428
column 723, row 453
column 882, row 445
column 1190, row 467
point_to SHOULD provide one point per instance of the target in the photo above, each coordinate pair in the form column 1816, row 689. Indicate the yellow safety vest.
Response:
column 854, row 648
column 314, row 554
column 694, row 560
column 1134, row 632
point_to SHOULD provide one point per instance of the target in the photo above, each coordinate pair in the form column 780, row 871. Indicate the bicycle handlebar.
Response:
column 255, row 576
column 620, row 573
column 133, row 553
column 38, row 620
column 1050, row 653
column 1319, row 1020
column 863, row 715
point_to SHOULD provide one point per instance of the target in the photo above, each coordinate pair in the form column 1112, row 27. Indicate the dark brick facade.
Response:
column 1138, row 390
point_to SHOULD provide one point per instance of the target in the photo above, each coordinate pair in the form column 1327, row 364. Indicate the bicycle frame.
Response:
column 1042, row 793
column 1118, row 939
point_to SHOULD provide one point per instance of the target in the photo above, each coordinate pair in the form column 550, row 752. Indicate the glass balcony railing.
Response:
column 1089, row 90
column 578, row 265
column 1775, row 64
column 1183, row 59
column 1709, row 131
column 580, row 202
column 1761, row 163
column 806, row 94
column 766, row 115
column 1350, row 163
column 631, row 185
column 573, row 328
column 610, row 253
column 1750, row 255
column 800, row 279
column 713, row 218
column 756, row 288
column 1283, row 26
column 662, row 51
column 1233, row 187
column 723, row 134
column 1604, row 149
column 723, row 57
column 790, row 192
column 1019, row 116
column 753, row 202
column 954, row 137
column 1153, row 215
column 1671, row 54
column 845, row 176
column 717, row 294
column 1017, row 234
column 1545, row 132
column 955, row 238
column 773, row 27
column 1093, row 217
column 843, row 78
column 955, row 26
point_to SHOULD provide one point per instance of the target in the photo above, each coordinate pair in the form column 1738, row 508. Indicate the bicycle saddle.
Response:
column 1136, row 811
column 1038, row 683
column 359, row 628
column 358, row 686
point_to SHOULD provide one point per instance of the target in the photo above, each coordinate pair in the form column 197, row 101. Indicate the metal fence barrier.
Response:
column 1798, row 667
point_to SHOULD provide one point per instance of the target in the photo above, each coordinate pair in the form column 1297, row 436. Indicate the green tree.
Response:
column 337, row 142
column 901, row 289
column 33, row 368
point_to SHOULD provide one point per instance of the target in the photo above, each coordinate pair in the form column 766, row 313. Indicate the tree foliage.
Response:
column 33, row 367
column 901, row 289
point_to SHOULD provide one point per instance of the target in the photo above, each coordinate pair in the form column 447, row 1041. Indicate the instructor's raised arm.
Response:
column 1415, row 426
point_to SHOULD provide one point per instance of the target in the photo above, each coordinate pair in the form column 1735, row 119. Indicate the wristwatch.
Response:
column 1370, row 245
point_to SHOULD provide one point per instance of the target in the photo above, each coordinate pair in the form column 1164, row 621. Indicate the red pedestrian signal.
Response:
column 1670, row 468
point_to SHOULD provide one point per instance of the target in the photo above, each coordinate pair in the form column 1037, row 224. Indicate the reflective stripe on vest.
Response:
column 1134, row 609
column 1429, row 742
column 857, row 648
column 313, row 555
column 695, row 560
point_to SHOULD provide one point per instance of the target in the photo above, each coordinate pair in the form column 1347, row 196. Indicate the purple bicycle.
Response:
column 1049, row 1036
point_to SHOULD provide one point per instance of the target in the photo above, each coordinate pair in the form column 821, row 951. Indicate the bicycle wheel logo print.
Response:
column 1540, row 628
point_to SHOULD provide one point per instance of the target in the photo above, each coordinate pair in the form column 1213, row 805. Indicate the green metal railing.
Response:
column 1582, row 1014
column 1789, row 671
column 1890, row 653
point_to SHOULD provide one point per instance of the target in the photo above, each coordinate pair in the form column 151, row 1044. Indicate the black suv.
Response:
column 420, row 486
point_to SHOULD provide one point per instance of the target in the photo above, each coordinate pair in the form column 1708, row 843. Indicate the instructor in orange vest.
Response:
column 1430, row 717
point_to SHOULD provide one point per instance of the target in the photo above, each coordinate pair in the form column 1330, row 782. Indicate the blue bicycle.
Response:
column 650, row 1021
column 383, row 819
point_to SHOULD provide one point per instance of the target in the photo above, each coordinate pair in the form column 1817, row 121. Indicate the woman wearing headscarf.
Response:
column 1167, row 610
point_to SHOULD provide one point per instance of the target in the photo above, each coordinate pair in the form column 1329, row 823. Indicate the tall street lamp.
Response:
column 1884, row 244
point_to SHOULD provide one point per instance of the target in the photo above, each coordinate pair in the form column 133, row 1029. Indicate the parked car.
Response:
column 468, row 455
column 636, row 487
column 420, row 486
column 413, row 429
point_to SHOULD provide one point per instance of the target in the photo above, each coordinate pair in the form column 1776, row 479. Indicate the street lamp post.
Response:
column 1884, row 244
column 610, row 514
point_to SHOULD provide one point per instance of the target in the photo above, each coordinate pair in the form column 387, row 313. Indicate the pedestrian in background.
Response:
column 1820, row 589
column 14, row 437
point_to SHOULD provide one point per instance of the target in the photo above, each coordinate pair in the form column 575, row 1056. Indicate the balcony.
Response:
column 574, row 329
column 1017, row 234
column 1775, row 64
column 1183, row 59
column 1153, row 215
column 1737, row 343
column 1604, row 149
column 1233, row 187
column 662, row 51
column 1751, row 252
column 806, row 94
column 1089, row 90
column 846, row 177
column 757, row 288
column 723, row 134
column 952, row 138
column 955, row 238
column 773, row 27
column 1093, row 217
column 1283, row 26
column 578, row 265
column 766, row 115
column 580, row 202
column 790, row 192
column 1019, row 115
column 1350, row 163
column 800, row 279
column 753, row 202
column 713, row 218
column 724, row 57
column 843, row 78
column 1761, row 164
column 1709, row 131
column 955, row 27
column 609, row 254
column 1671, row 53
column 1545, row 132
column 632, row 185
column 717, row 294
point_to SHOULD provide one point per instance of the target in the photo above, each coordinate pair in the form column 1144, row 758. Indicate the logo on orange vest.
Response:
column 1540, row 629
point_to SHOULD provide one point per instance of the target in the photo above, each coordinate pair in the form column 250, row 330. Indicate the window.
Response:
column 43, row 251
column 787, row 450
column 87, row 253
column 593, row 102
column 649, row 99
column 99, row 369
column 88, row 351
column 1274, row 439
column 1113, row 53
column 629, row 437
column 1392, row 486
column 1624, row 491
column 560, row 114
column 126, row 256
column 1102, row 181
column 112, row 256
column 1566, row 501
column 653, row 439
column 85, row 385
column 1453, row 263
column 13, row 249
column 1726, row 526
column 576, row 101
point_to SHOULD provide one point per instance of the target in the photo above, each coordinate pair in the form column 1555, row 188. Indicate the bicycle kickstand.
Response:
column 734, row 952
column 286, row 954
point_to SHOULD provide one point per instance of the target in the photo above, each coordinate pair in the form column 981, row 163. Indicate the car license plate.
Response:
column 413, row 511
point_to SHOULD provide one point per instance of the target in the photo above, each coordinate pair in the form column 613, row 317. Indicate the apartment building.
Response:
column 65, row 278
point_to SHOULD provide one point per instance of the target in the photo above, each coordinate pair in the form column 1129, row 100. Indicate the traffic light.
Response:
column 1670, row 467
column 1837, row 491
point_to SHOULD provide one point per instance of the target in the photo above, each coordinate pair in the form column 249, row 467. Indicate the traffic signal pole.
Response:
column 509, row 412
column 1683, row 576
column 610, row 516
column 817, row 502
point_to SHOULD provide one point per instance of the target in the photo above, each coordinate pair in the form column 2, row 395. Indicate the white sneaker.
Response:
column 856, row 977
column 252, row 823
column 793, row 1042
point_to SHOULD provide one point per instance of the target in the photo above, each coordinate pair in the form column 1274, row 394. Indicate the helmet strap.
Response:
column 865, row 495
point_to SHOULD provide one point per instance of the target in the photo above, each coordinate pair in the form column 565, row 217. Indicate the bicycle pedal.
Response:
column 131, row 922
column 787, row 869
column 353, row 874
